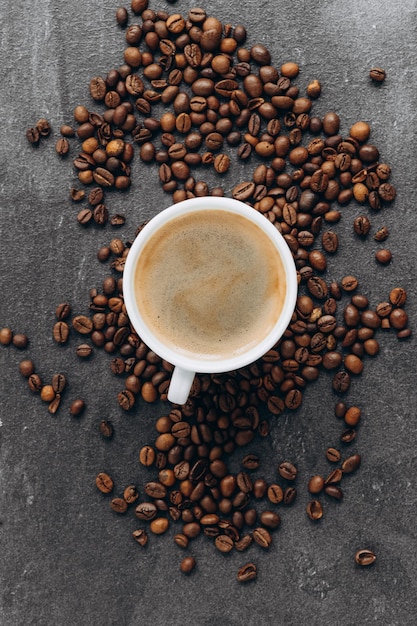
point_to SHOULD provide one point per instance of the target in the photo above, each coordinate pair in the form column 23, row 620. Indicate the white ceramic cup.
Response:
column 186, row 367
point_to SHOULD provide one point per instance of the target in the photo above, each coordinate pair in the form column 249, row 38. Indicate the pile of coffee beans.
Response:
column 191, row 95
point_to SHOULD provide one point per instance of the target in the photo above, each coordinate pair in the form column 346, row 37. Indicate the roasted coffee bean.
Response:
column 341, row 382
column 106, row 429
column 314, row 510
column 383, row 256
column 250, row 462
column 187, row 565
column 377, row 74
column 140, row 536
column 351, row 464
column 334, row 477
column 82, row 324
column 361, row 225
column 26, row 368
column 62, row 146
column 247, row 573
column 333, row 491
column 98, row 88
column 270, row 519
column 316, row 484
column 275, row 493
column 130, row 494
column 44, row 127
column 333, row 455
column 104, row 483
column 262, row 537
column 287, row 470
column 33, row 135
column 381, row 234
column 159, row 525
column 61, row 332
column 330, row 241
column 146, row 511
column 84, row 350
column 224, row 543
column 77, row 407
column 59, row 382
column 126, row 399
column 365, row 557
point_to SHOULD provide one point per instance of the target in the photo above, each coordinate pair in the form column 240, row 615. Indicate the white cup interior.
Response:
column 153, row 342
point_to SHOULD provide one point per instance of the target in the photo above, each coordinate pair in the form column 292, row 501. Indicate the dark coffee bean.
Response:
column 224, row 543
column 82, row 324
column 59, row 382
column 334, row 477
column 106, row 429
column 140, row 536
column 146, row 511
column 243, row 191
column 77, row 407
column 33, row 135
column 287, row 470
column 84, row 350
column 130, row 494
column 98, row 88
column 187, row 565
column 351, row 464
column 341, row 382
column 44, row 127
column 104, row 483
column 250, row 462
column 377, row 74
column 61, row 332
column 275, row 493
column 62, row 146
column 333, row 455
column 84, row 216
column 270, row 519
column 330, row 241
column 35, row 383
column 155, row 489
column 126, row 399
column 314, row 510
column 119, row 505
column 316, row 484
column 247, row 573
column 365, row 557
column 26, row 368
column 334, row 492
column 361, row 225
column 262, row 537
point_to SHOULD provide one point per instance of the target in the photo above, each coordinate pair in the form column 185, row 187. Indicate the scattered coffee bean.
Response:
column 247, row 573
column 188, row 564
column 351, row 464
column 106, row 429
column 314, row 510
column 104, row 483
column 383, row 256
column 365, row 557
column 140, row 536
column 77, row 407
column 377, row 74
column 26, row 368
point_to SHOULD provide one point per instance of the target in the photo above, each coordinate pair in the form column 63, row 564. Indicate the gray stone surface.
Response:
column 66, row 558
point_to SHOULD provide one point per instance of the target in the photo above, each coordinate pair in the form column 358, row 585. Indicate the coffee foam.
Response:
column 210, row 284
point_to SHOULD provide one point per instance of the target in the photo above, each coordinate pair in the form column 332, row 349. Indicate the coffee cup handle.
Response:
column 180, row 385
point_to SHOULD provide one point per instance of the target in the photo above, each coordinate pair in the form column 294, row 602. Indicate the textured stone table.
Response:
column 66, row 558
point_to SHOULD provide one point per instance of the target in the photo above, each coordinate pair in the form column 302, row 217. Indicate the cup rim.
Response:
column 214, row 366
